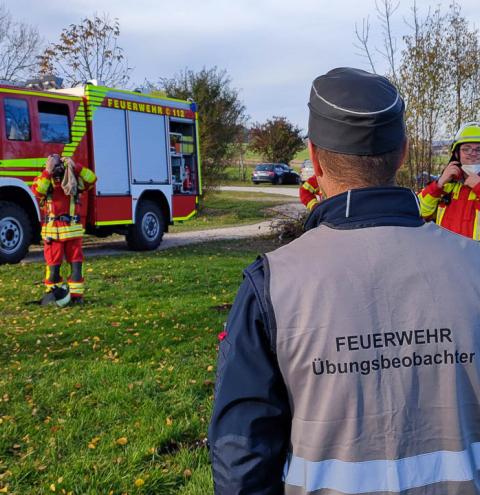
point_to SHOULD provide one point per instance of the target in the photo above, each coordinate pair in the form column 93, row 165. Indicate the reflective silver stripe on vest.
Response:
column 385, row 475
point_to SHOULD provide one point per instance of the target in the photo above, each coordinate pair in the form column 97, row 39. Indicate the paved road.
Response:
column 286, row 191
column 106, row 247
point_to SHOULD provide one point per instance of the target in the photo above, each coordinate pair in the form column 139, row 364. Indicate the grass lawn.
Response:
column 114, row 398
column 224, row 209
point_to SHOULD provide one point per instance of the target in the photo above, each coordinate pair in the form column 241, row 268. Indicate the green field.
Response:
column 115, row 397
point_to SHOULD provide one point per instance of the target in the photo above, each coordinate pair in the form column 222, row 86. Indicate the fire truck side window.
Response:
column 17, row 119
column 54, row 122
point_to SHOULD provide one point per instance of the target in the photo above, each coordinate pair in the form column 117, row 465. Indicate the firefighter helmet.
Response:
column 468, row 133
column 58, row 295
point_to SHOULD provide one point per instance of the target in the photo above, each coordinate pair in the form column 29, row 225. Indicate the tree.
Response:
column 19, row 46
column 88, row 50
column 277, row 140
column 221, row 116
column 463, row 58
column 425, row 85
column 437, row 73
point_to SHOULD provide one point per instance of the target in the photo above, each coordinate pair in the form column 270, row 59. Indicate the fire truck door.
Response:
column 148, row 148
column 111, row 151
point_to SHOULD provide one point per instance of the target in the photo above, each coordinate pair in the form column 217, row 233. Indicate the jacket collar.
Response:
column 368, row 207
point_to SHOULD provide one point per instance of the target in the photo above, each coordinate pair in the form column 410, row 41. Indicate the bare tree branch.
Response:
column 19, row 47
column 385, row 10
column 88, row 50
column 363, row 40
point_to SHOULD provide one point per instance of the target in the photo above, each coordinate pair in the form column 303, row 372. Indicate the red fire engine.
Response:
column 143, row 148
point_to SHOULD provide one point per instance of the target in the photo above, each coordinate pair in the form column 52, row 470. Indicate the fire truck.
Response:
column 144, row 149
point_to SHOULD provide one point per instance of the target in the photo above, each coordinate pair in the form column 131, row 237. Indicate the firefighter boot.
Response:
column 75, row 282
column 52, row 281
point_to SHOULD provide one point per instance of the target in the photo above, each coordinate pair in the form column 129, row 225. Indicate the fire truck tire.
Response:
column 147, row 232
column 15, row 232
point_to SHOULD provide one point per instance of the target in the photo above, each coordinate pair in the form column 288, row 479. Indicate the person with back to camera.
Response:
column 345, row 366
column 453, row 201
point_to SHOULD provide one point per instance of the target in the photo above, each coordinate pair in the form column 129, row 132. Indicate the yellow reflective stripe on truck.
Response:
column 103, row 90
column 18, row 173
column 78, row 130
column 95, row 96
column 199, row 161
column 114, row 222
column 23, row 163
column 181, row 219
column 37, row 93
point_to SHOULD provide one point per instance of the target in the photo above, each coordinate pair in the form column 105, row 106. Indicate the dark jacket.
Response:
column 250, row 427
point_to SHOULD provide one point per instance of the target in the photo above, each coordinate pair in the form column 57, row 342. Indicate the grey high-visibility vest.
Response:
column 378, row 341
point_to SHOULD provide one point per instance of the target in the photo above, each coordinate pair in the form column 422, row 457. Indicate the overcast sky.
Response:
column 272, row 49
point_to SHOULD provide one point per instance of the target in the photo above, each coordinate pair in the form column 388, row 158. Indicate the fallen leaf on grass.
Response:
column 187, row 473
column 139, row 482
column 169, row 421
column 93, row 443
column 121, row 441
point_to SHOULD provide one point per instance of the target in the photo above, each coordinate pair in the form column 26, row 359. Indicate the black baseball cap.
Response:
column 355, row 112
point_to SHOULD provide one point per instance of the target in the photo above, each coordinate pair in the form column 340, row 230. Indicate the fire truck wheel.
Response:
column 147, row 232
column 15, row 232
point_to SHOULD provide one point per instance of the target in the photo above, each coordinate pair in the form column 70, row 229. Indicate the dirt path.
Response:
column 285, row 191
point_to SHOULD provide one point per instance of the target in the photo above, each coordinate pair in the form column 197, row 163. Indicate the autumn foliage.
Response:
column 277, row 140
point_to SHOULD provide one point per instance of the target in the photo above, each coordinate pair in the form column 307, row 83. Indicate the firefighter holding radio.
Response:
column 60, row 188
column 453, row 201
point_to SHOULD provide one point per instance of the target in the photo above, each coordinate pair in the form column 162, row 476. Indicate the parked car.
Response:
column 275, row 173
column 306, row 170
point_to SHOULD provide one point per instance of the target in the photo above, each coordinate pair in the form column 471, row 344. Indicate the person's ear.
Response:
column 317, row 168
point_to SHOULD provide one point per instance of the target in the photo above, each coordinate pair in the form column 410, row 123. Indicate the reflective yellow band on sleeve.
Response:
column 42, row 184
column 309, row 188
column 312, row 203
column 428, row 204
column 87, row 175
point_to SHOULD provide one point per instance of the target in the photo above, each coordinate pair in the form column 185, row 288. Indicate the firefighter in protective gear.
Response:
column 453, row 201
column 60, row 189
column 310, row 194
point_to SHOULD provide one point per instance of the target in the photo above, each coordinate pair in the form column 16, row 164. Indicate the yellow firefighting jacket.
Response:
column 62, row 220
column 454, row 207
